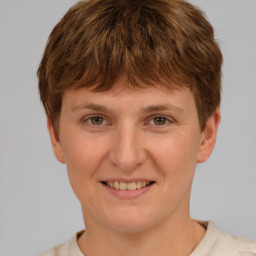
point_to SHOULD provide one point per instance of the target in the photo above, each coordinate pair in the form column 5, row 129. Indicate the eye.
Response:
column 96, row 120
column 159, row 121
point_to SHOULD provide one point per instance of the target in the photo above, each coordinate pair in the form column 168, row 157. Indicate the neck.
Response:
column 178, row 236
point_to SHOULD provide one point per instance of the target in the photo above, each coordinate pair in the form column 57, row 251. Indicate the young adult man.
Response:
column 131, row 91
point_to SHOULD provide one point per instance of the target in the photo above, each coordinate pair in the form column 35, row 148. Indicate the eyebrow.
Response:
column 164, row 107
column 91, row 106
column 148, row 109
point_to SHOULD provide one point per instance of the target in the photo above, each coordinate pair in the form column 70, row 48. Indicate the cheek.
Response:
column 83, row 157
column 175, row 151
column 175, row 158
column 82, row 151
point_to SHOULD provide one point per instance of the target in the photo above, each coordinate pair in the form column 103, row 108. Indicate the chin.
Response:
column 130, row 222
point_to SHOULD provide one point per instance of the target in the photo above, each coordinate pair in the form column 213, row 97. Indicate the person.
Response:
column 131, row 91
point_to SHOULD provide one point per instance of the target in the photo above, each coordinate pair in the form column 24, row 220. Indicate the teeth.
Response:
column 128, row 186
column 116, row 185
column 131, row 186
column 138, row 185
column 123, row 186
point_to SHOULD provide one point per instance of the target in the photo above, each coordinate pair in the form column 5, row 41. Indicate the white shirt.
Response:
column 214, row 243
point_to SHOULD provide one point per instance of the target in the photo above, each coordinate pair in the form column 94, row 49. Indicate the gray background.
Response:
column 37, row 206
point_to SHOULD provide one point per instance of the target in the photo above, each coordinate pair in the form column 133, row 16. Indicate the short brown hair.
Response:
column 146, row 42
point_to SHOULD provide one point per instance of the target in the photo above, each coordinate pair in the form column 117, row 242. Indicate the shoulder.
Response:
column 235, row 244
column 59, row 250
column 66, row 249
column 220, row 243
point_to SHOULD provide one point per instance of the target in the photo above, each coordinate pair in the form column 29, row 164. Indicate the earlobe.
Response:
column 209, row 137
column 56, row 144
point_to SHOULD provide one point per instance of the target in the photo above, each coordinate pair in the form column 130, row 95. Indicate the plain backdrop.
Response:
column 37, row 205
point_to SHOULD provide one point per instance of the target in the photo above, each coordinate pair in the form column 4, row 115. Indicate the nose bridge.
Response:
column 127, row 151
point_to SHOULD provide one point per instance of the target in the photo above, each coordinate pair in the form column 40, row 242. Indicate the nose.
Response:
column 127, row 152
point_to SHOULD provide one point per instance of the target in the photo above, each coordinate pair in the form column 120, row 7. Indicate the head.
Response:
column 131, row 90
column 166, row 43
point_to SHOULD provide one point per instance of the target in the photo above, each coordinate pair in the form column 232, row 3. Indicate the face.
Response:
column 131, row 153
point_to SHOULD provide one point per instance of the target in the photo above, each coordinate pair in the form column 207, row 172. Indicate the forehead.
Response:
column 123, row 98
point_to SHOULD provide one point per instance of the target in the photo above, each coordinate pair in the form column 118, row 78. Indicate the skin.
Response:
column 142, row 134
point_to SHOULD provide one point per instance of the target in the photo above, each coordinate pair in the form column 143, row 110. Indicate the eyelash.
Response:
column 86, row 120
column 168, row 120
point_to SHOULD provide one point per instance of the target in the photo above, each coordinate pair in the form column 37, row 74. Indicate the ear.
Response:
column 209, row 136
column 56, row 144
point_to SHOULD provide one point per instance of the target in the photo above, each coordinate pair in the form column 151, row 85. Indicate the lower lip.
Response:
column 128, row 194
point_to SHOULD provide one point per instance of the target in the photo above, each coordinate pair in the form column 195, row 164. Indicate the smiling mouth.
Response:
column 135, row 185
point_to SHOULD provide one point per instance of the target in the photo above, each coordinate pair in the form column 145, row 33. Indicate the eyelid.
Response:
column 168, row 119
column 86, row 118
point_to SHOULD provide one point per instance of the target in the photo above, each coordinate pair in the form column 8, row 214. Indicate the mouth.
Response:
column 120, row 185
